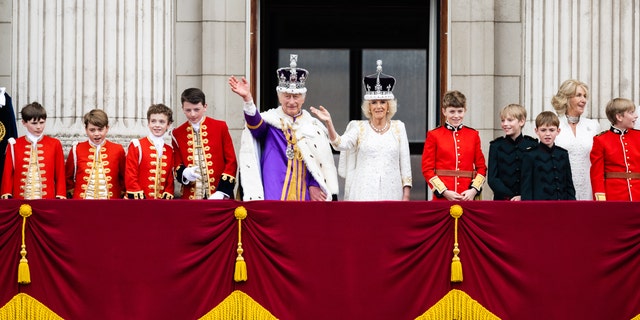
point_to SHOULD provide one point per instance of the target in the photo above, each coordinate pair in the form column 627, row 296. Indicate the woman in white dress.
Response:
column 576, row 133
column 374, row 157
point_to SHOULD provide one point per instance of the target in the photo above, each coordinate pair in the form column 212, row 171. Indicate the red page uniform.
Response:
column 96, row 172
column 33, row 172
column 452, row 160
column 149, row 173
column 211, row 150
column 615, row 165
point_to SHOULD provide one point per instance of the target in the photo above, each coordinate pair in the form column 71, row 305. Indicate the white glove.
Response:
column 190, row 174
column 218, row 195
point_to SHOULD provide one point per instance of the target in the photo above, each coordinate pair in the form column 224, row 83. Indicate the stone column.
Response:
column 211, row 46
column 594, row 41
column 472, row 65
column 6, row 9
column 74, row 56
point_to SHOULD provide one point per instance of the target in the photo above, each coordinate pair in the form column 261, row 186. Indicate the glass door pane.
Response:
column 409, row 67
column 328, row 80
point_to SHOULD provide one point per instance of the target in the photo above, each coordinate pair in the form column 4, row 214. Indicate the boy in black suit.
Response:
column 505, row 154
column 546, row 171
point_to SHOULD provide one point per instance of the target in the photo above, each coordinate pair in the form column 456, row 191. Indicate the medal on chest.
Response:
column 289, row 152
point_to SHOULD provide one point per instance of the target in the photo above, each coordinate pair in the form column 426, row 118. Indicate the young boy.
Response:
column 615, row 155
column 546, row 172
column 204, row 157
column 95, row 168
column 452, row 160
column 505, row 154
column 149, row 169
column 34, row 163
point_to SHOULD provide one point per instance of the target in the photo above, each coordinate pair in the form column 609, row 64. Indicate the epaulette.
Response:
column 12, row 142
column 136, row 143
column 601, row 133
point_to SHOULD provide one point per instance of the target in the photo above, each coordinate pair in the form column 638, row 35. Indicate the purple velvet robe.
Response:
column 273, row 159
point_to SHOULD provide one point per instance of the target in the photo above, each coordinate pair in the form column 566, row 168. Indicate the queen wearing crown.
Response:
column 284, row 152
column 374, row 153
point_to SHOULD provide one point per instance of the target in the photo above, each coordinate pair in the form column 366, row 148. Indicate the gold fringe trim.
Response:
column 456, row 264
column 238, row 305
column 636, row 317
column 240, row 273
column 24, row 276
column 24, row 307
column 457, row 305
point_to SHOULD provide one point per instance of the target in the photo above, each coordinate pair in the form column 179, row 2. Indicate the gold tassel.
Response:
column 240, row 273
column 24, row 276
column 456, row 265
column 241, row 268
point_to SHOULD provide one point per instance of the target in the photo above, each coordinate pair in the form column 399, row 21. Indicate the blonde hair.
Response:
column 618, row 106
column 567, row 91
column 393, row 108
column 514, row 110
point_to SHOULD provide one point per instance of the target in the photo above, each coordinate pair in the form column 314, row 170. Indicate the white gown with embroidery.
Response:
column 579, row 147
column 375, row 166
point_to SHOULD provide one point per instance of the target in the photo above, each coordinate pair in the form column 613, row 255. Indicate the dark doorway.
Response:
column 339, row 43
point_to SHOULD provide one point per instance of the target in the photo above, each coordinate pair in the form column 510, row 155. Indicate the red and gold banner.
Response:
column 152, row 259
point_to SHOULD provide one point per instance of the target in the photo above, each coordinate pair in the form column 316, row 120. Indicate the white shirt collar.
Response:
column 96, row 145
column 196, row 126
column 32, row 138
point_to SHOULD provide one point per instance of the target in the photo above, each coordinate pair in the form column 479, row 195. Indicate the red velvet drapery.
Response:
column 123, row 259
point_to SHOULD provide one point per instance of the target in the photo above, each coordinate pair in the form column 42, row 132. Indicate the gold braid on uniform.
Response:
column 167, row 195
column 294, row 186
column 438, row 185
column 228, row 177
column 477, row 182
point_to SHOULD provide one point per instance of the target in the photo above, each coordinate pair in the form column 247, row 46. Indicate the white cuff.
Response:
column 249, row 108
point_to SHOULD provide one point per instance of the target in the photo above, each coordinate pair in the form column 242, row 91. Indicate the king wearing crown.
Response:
column 285, row 152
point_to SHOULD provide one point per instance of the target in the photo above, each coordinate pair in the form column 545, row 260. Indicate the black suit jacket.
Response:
column 505, row 165
column 546, row 174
